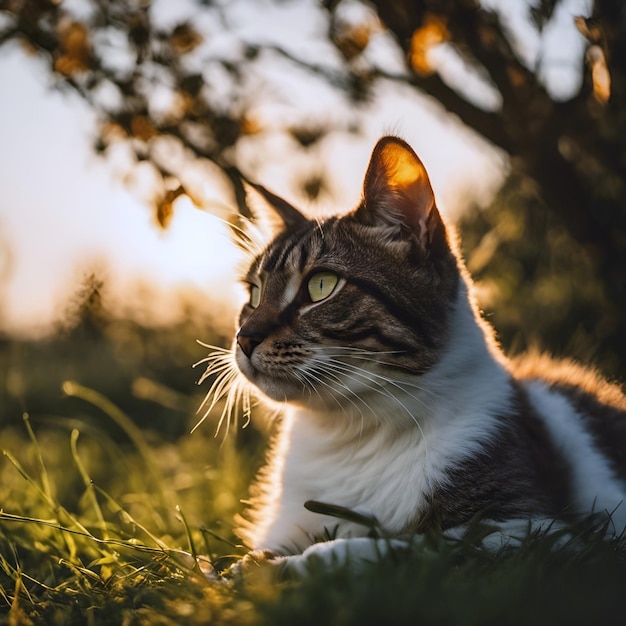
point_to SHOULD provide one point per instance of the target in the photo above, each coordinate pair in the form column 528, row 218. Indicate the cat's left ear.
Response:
column 271, row 214
column 397, row 195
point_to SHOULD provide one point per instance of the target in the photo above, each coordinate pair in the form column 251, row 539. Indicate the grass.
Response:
column 102, row 511
column 72, row 553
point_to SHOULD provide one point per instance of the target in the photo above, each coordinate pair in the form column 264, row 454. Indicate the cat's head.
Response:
column 339, row 308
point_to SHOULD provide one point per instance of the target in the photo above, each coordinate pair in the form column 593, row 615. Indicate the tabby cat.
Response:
column 395, row 400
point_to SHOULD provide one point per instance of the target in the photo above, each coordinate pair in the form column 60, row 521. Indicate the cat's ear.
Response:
column 397, row 195
column 271, row 214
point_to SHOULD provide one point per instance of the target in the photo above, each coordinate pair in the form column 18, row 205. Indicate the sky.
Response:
column 65, row 212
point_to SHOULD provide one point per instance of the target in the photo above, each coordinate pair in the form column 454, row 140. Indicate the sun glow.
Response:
column 63, row 213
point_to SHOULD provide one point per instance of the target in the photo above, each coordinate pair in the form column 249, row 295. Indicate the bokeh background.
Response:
column 127, row 128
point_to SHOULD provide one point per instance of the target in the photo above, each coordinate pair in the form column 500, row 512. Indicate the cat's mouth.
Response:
column 277, row 383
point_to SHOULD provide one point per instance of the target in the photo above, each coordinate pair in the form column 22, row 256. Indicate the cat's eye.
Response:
column 321, row 285
column 255, row 296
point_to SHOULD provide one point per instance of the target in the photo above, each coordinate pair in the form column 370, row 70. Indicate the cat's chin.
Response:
column 288, row 392
column 276, row 388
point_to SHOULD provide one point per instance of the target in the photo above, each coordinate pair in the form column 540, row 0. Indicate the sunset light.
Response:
column 312, row 312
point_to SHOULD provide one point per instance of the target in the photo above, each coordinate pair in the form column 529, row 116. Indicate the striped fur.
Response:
column 395, row 400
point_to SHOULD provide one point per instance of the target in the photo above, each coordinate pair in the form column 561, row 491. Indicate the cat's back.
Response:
column 585, row 417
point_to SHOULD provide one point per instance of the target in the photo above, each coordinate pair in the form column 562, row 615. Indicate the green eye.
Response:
column 321, row 285
column 255, row 296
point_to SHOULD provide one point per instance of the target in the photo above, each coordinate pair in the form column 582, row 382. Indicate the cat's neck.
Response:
column 472, row 370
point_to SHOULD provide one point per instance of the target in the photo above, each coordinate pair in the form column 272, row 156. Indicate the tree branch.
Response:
column 486, row 123
column 480, row 38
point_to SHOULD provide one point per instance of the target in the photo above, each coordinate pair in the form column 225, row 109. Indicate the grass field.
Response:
column 71, row 553
column 105, row 497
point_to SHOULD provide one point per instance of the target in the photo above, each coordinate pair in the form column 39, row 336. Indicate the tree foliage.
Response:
column 571, row 152
column 184, row 95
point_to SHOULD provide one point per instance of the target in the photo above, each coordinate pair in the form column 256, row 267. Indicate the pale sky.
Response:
column 64, row 211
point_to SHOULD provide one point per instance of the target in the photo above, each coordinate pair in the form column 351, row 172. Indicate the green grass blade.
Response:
column 45, row 481
column 190, row 541
column 133, row 432
column 334, row 510
column 131, row 520
column 87, row 482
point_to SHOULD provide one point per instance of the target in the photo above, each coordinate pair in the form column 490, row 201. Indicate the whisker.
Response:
column 213, row 347
column 375, row 377
column 322, row 369
column 322, row 378
column 228, row 385
column 361, row 350
column 362, row 356
column 315, row 377
column 358, row 374
column 244, row 240
column 302, row 378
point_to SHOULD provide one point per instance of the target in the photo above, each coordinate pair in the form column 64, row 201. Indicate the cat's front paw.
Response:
column 256, row 563
column 354, row 553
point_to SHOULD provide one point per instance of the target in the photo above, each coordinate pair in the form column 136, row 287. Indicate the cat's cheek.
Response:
column 244, row 364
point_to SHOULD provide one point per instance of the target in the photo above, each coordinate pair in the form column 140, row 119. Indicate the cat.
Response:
column 396, row 401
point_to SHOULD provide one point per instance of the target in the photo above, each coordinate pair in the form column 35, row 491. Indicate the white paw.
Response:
column 353, row 552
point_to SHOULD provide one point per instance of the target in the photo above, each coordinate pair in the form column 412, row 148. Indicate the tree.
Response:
column 573, row 151
column 180, row 102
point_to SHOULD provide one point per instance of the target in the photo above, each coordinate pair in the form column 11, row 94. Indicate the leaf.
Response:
column 432, row 32
column 76, row 55
column 335, row 510
column 600, row 74
column 185, row 38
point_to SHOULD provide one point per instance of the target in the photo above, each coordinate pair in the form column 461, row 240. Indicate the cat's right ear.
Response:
column 271, row 214
column 398, row 197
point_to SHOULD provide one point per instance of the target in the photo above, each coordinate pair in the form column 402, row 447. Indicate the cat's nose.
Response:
column 248, row 343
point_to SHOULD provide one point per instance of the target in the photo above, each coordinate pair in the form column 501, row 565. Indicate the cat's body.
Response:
column 397, row 402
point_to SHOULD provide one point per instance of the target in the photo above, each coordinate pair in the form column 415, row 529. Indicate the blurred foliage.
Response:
column 543, row 297
column 183, row 94
column 146, row 369
column 125, row 385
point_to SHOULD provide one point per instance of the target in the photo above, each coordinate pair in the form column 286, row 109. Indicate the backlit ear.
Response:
column 397, row 194
column 270, row 213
